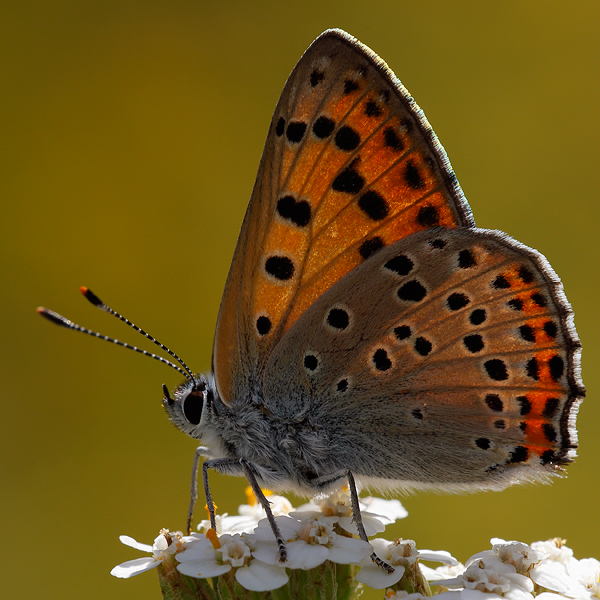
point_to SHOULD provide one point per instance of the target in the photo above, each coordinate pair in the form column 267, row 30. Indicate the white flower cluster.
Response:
column 319, row 532
column 544, row 570
column 246, row 542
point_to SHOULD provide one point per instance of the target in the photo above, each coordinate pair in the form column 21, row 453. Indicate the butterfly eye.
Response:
column 192, row 406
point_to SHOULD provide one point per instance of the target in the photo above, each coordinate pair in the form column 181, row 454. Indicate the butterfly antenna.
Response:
column 57, row 319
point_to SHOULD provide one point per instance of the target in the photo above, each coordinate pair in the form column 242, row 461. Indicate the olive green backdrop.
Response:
column 130, row 137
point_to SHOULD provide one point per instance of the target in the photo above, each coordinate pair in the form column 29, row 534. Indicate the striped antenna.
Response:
column 57, row 319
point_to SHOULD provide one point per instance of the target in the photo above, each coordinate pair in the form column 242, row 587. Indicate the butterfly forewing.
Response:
column 455, row 349
column 350, row 166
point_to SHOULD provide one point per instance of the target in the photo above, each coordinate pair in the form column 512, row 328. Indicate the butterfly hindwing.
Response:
column 455, row 349
column 350, row 166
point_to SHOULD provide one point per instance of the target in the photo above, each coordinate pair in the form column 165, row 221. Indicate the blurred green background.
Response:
column 131, row 134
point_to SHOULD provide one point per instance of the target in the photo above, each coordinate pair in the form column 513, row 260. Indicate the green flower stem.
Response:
column 413, row 581
column 325, row 582
column 348, row 587
column 176, row 586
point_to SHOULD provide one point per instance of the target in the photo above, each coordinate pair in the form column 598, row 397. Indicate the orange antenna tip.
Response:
column 91, row 297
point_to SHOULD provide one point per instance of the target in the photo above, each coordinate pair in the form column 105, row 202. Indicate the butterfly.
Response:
column 368, row 331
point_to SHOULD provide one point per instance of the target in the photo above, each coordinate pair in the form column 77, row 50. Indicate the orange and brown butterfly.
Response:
column 464, row 359
column 368, row 330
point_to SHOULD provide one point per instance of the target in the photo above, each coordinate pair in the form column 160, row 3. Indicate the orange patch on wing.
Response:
column 304, row 166
column 307, row 294
column 330, row 164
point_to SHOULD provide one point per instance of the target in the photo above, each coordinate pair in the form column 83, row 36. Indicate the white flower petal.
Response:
column 305, row 556
column 231, row 524
column 193, row 538
column 586, row 570
column 520, row 581
column 377, row 578
column 474, row 595
column 555, row 550
column 129, row 541
column 387, row 511
column 201, row 550
column 303, row 517
column 135, row 567
column 518, row 593
column 371, row 524
column 346, row 551
column 437, row 556
column 202, row 569
column 289, row 528
column 260, row 577
column 484, row 555
column 300, row 554
column 453, row 582
column 267, row 553
column 443, row 572
column 546, row 575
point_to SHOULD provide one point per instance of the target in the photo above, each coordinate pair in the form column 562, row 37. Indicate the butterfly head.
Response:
column 191, row 406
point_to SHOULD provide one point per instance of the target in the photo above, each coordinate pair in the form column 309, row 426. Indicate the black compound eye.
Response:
column 192, row 407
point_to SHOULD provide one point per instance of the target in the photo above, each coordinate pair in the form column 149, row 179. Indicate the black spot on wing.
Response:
column 526, row 333
column 373, row 205
column 473, row 343
column 311, row 362
column 347, row 139
column 372, row 109
column 392, row 140
column 519, row 454
column 381, row 360
column 423, row 346
column 412, row 291
column 401, row 265
column 349, row 180
column 296, row 211
column 550, row 407
column 557, row 366
column 316, row 77
column 494, row 402
column 280, row 267
column 515, row 304
column 402, row 332
column 323, row 127
column 478, row 316
column 338, row 318
column 457, row 300
column 525, row 405
column 466, row 260
column 500, row 283
column 370, row 246
column 295, row 131
column 428, row 216
column 412, row 177
column 496, row 369
column 263, row 325
column 280, row 127
column 350, row 86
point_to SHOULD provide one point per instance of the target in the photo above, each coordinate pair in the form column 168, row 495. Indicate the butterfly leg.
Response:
column 226, row 466
column 232, row 466
column 249, row 473
column 200, row 452
column 356, row 514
